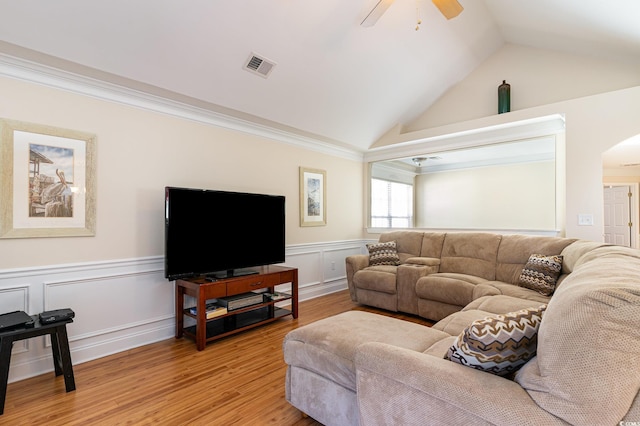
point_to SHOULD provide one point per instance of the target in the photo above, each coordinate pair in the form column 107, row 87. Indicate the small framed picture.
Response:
column 313, row 197
column 48, row 183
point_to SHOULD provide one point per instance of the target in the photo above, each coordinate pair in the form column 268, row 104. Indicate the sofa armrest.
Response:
column 407, row 276
column 425, row 261
column 400, row 386
column 354, row 263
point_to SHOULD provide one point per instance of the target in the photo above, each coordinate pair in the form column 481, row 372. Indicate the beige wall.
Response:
column 545, row 83
column 469, row 198
column 537, row 77
column 594, row 125
column 140, row 152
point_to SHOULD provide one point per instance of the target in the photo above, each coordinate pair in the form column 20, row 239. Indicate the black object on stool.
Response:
column 59, row 345
column 48, row 317
column 15, row 319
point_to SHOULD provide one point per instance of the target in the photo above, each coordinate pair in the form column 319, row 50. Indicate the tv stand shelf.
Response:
column 207, row 330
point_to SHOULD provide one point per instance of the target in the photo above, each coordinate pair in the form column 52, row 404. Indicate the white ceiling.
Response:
column 334, row 80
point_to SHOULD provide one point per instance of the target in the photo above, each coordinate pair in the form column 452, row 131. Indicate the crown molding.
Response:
column 33, row 72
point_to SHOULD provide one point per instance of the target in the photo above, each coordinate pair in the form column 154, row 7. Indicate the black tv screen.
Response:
column 218, row 233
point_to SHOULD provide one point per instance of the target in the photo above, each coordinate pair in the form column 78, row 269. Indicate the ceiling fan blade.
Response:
column 376, row 13
column 449, row 8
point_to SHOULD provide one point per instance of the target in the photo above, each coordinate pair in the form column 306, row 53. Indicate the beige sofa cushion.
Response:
column 377, row 278
column 572, row 254
column 432, row 243
column 515, row 250
column 471, row 253
column 440, row 348
column 483, row 307
column 451, row 288
column 588, row 343
column 495, row 288
column 328, row 347
column 455, row 323
column 502, row 303
column 409, row 243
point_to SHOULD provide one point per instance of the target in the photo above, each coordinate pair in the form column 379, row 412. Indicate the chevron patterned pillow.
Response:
column 541, row 273
column 383, row 254
column 499, row 344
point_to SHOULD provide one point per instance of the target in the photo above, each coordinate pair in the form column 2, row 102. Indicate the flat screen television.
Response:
column 219, row 234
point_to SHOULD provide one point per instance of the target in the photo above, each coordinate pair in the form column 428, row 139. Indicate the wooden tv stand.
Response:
column 206, row 330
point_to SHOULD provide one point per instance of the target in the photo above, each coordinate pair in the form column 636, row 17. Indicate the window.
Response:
column 391, row 204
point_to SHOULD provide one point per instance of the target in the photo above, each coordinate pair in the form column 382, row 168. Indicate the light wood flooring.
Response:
column 238, row 380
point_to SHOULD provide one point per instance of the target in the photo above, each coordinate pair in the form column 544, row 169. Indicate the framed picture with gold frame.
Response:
column 313, row 197
column 48, row 182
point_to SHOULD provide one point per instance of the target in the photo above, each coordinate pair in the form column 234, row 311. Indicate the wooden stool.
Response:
column 59, row 345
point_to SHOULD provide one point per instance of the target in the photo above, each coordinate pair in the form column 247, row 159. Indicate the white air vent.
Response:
column 259, row 65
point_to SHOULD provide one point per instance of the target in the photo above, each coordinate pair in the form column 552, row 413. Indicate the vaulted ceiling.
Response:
column 333, row 79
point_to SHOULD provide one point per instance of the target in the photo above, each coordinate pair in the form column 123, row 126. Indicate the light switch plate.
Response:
column 585, row 219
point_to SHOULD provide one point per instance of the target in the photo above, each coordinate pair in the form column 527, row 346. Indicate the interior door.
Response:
column 617, row 213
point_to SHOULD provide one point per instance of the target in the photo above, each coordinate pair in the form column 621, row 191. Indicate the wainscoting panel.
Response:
column 321, row 266
column 15, row 299
column 334, row 264
column 106, row 300
column 309, row 266
column 128, row 303
column 118, row 305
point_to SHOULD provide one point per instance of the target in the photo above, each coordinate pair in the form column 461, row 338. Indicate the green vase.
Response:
column 504, row 97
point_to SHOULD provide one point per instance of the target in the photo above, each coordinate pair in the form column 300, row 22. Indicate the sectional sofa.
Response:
column 530, row 330
column 440, row 273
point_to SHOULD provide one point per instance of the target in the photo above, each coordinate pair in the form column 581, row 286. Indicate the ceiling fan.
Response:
column 449, row 8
